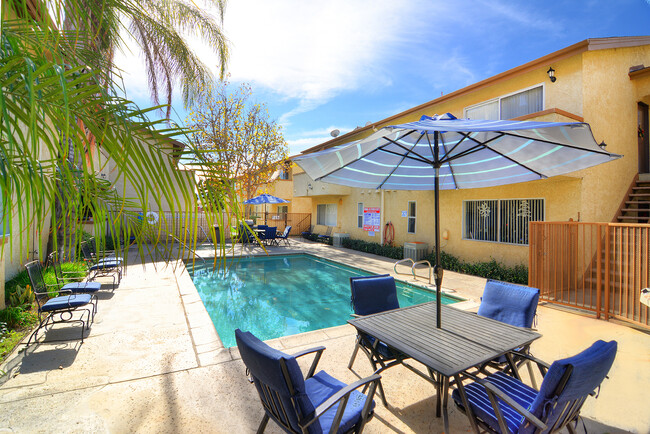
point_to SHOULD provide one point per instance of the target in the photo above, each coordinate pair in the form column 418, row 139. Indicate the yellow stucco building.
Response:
column 604, row 82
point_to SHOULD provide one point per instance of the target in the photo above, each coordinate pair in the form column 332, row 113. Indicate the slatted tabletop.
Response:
column 465, row 339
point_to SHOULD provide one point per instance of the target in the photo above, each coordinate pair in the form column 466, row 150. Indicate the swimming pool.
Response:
column 274, row 296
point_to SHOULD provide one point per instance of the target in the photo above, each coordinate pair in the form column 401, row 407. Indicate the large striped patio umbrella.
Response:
column 443, row 152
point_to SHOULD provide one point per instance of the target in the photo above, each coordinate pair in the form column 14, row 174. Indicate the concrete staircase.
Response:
column 636, row 206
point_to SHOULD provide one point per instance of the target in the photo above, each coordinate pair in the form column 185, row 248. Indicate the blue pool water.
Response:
column 274, row 296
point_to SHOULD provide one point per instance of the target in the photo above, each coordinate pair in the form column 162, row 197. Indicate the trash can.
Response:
column 337, row 240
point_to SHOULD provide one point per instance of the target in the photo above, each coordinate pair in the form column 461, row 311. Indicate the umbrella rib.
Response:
column 397, row 165
column 444, row 146
column 420, row 158
column 557, row 144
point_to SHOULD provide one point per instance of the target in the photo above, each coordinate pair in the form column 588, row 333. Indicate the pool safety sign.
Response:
column 371, row 219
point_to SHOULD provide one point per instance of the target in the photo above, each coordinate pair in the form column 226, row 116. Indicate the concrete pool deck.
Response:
column 152, row 362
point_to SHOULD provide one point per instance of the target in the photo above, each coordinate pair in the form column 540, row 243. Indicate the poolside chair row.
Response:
column 58, row 303
column 499, row 401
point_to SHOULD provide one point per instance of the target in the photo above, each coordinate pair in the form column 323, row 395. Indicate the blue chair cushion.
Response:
column 383, row 349
column 482, row 408
column 104, row 264
column 509, row 303
column 66, row 302
column 81, row 287
column 589, row 370
column 320, row 387
column 373, row 294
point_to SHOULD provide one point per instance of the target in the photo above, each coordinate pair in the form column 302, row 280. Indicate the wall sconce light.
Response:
column 309, row 186
column 551, row 74
column 602, row 145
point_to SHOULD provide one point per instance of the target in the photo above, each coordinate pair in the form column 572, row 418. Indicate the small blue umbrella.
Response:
column 264, row 199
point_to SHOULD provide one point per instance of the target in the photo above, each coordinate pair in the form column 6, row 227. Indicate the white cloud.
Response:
column 307, row 139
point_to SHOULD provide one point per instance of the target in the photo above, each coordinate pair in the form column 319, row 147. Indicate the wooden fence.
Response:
column 598, row 267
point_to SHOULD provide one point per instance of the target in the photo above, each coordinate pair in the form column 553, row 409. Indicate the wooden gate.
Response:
column 598, row 267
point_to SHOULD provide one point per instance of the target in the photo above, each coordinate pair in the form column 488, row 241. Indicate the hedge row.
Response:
column 490, row 269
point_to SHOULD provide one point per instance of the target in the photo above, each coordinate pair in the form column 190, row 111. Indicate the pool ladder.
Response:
column 414, row 263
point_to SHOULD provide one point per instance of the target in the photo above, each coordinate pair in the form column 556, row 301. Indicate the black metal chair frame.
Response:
column 341, row 396
column 570, row 413
column 91, row 261
column 35, row 272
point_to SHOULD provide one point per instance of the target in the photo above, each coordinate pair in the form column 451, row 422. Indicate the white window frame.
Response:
column 330, row 216
column 360, row 215
column 499, row 219
column 500, row 97
column 413, row 217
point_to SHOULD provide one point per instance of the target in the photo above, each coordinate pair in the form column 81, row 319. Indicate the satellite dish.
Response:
column 335, row 133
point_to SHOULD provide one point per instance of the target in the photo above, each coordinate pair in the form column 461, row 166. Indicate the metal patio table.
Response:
column 465, row 340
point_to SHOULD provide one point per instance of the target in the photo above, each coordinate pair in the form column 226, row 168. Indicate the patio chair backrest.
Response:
column 373, row 294
column 87, row 252
column 54, row 260
column 270, row 233
column 278, row 380
column 286, row 231
column 35, row 273
column 328, row 231
column 509, row 303
column 568, row 383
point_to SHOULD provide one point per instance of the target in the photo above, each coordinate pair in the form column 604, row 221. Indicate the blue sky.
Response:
column 338, row 64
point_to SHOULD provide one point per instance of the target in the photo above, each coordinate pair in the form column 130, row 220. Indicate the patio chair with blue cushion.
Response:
column 269, row 235
column 511, row 304
column 307, row 233
column 374, row 294
column 66, row 284
column 102, row 267
column 503, row 404
column 316, row 403
column 61, row 308
column 327, row 236
column 283, row 236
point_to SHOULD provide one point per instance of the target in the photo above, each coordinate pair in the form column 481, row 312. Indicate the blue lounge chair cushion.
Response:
column 509, row 303
column 66, row 302
column 102, row 265
column 320, row 387
column 373, row 294
column 81, row 287
column 482, row 408
column 590, row 367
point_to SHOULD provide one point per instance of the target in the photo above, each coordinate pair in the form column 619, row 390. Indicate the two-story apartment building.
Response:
column 604, row 82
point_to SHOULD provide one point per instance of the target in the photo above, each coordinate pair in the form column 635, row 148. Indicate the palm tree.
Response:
column 57, row 96
column 155, row 26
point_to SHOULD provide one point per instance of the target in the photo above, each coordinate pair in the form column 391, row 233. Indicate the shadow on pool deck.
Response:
column 152, row 363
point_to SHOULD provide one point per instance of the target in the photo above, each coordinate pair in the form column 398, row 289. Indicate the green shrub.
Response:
column 374, row 248
column 17, row 317
column 21, row 296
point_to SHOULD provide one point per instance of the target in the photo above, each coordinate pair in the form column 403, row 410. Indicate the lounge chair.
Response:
column 316, row 403
column 107, row 255
column 65, row 284
column 283, row 236
column 512, row 304
column 104, row 267
column 501, row 403
column 327, row 236
column 306, row 234
column 58, row 309
column 374, row 294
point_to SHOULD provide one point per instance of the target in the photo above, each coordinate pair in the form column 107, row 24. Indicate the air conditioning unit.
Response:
column 416, row 250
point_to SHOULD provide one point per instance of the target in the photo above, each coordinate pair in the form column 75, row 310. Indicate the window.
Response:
column 284, row 173
column 510, row 106
column 283, row 209
column 326, row 214
column 501, row 221
column 411, row 218
column 360, row 215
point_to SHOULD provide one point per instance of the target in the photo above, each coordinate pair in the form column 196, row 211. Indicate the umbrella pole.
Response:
column 437, row 269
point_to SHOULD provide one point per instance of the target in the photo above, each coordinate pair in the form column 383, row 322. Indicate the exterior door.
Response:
column 644, row 142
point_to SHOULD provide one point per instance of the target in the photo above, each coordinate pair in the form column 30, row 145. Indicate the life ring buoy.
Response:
column 389, row 234
column 152, row 217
